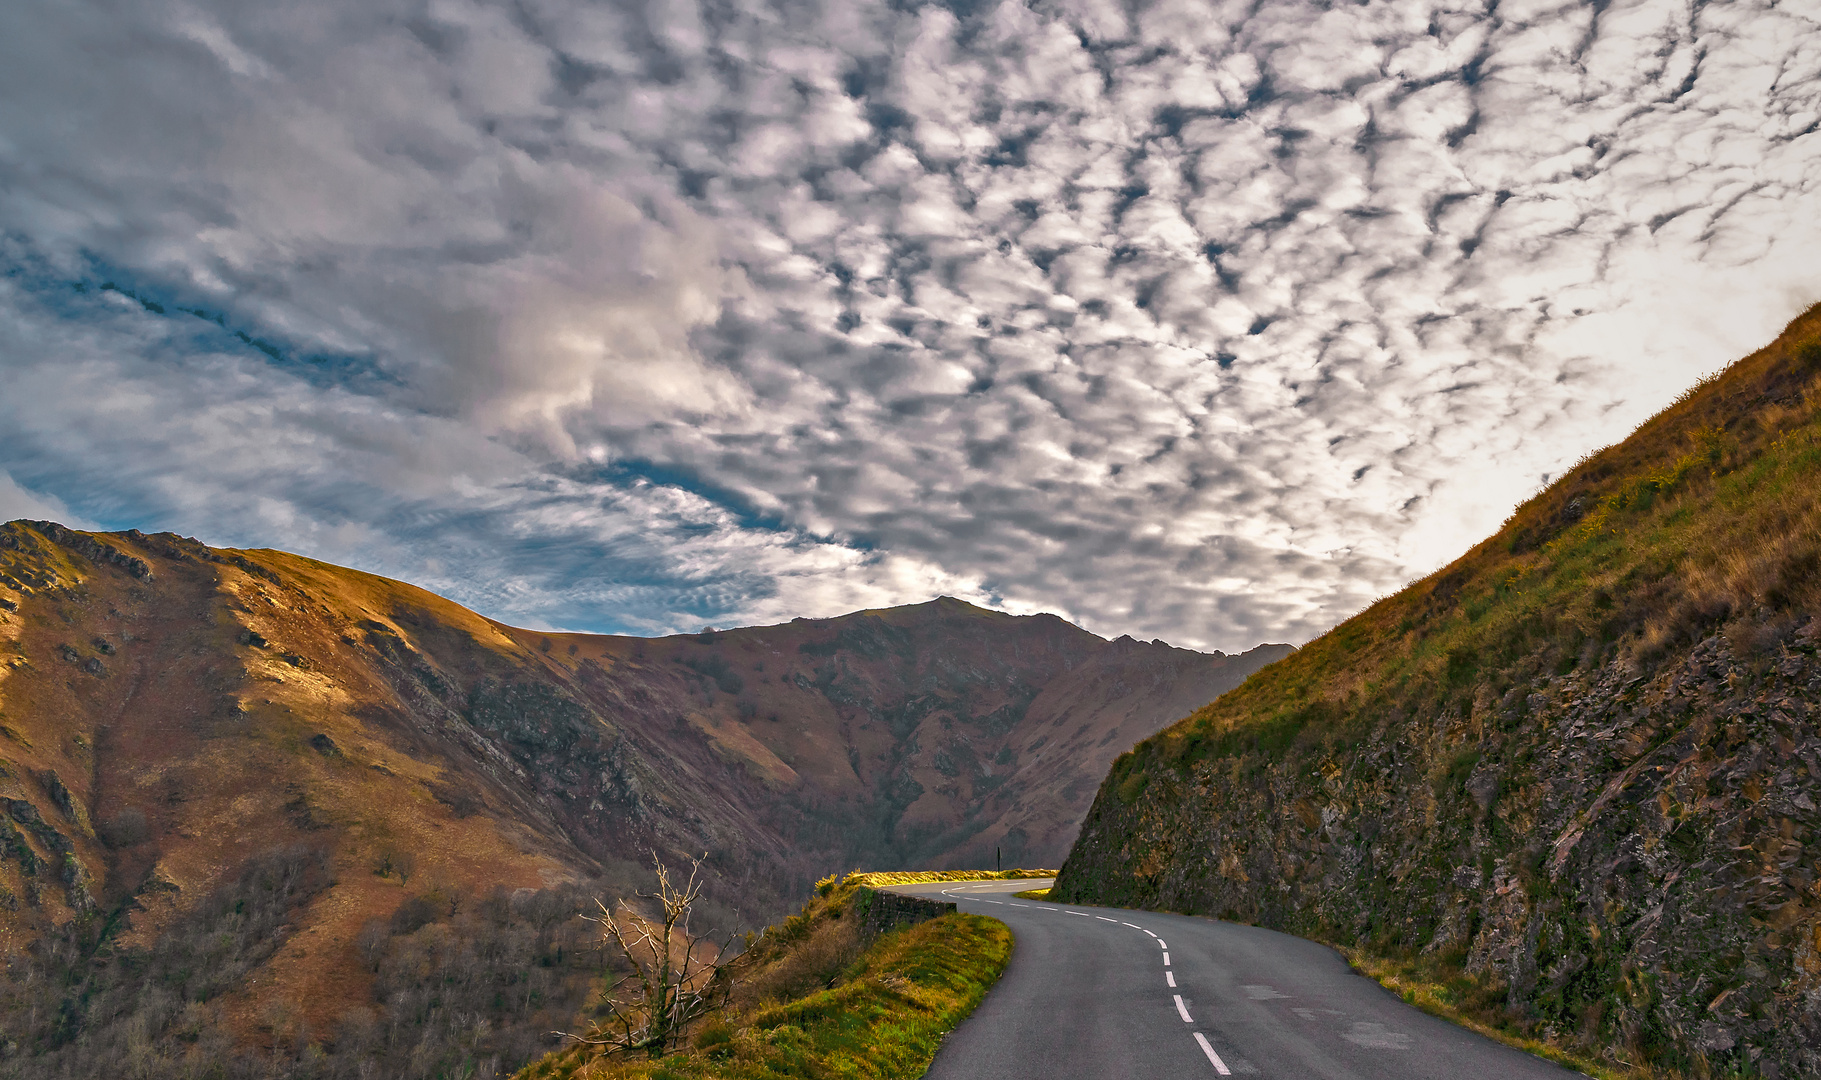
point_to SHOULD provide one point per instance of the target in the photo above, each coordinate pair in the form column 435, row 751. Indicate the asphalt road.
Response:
column 1108, row 994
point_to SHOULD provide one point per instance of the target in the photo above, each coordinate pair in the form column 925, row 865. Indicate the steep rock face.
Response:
column 1583, row 763
column 1597, row 839
column 172, row 715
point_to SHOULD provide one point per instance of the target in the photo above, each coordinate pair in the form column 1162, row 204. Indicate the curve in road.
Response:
column 1110, row 994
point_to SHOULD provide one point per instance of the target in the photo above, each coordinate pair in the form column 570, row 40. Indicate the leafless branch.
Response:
column 678, row 978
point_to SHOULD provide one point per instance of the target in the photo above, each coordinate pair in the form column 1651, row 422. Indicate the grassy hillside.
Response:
column 827, row 993
column 1576, row 771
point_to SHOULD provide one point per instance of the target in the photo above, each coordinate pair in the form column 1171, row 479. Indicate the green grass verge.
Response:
column 882, row 1020
column 880, row 879
column 1033, row 894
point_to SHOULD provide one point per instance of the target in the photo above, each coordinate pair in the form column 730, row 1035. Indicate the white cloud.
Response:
column 18, row 502
column 1208, row 322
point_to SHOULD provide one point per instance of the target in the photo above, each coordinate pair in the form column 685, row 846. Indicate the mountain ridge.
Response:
column 181, row 727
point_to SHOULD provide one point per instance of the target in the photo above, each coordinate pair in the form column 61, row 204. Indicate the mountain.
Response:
column 1579, row 768
column 323, row 807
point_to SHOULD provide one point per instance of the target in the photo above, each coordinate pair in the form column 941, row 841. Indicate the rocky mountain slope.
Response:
column 252, row 800
column 1581, row 764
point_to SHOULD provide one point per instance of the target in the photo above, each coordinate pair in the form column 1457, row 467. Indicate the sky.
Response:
column 1210, row 322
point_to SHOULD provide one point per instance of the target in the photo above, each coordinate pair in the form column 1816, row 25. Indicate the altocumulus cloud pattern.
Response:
column 1202, row 320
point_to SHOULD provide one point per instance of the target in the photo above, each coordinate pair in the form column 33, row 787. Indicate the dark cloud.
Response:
column 1202, row 321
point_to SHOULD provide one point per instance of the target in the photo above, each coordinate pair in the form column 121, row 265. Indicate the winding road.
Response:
column 1107, row 994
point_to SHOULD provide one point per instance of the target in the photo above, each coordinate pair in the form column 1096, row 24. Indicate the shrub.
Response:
column 1132, row 787
column 124, row 829
column 1808, row 356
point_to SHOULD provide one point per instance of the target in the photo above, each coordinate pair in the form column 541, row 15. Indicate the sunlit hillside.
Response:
column 1577, row 768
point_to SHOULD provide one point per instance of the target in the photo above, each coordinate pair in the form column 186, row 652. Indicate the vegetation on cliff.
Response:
column 1578, row 768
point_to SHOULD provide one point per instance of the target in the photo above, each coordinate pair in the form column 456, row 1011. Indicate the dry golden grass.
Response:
column 813, row 963
column 878, row 879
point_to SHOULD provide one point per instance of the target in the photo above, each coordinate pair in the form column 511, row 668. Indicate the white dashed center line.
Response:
column 1182, row 1009
column 1213, row 1058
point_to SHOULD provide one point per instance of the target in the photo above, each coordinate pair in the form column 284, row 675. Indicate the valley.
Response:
column 265, row 811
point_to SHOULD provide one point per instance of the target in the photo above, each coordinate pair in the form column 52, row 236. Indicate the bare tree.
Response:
column 676, row 972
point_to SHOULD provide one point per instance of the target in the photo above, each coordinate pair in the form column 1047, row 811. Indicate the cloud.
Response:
column 175, row 424
column 369, row 181
column 1208, row 322
column 16, row 502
